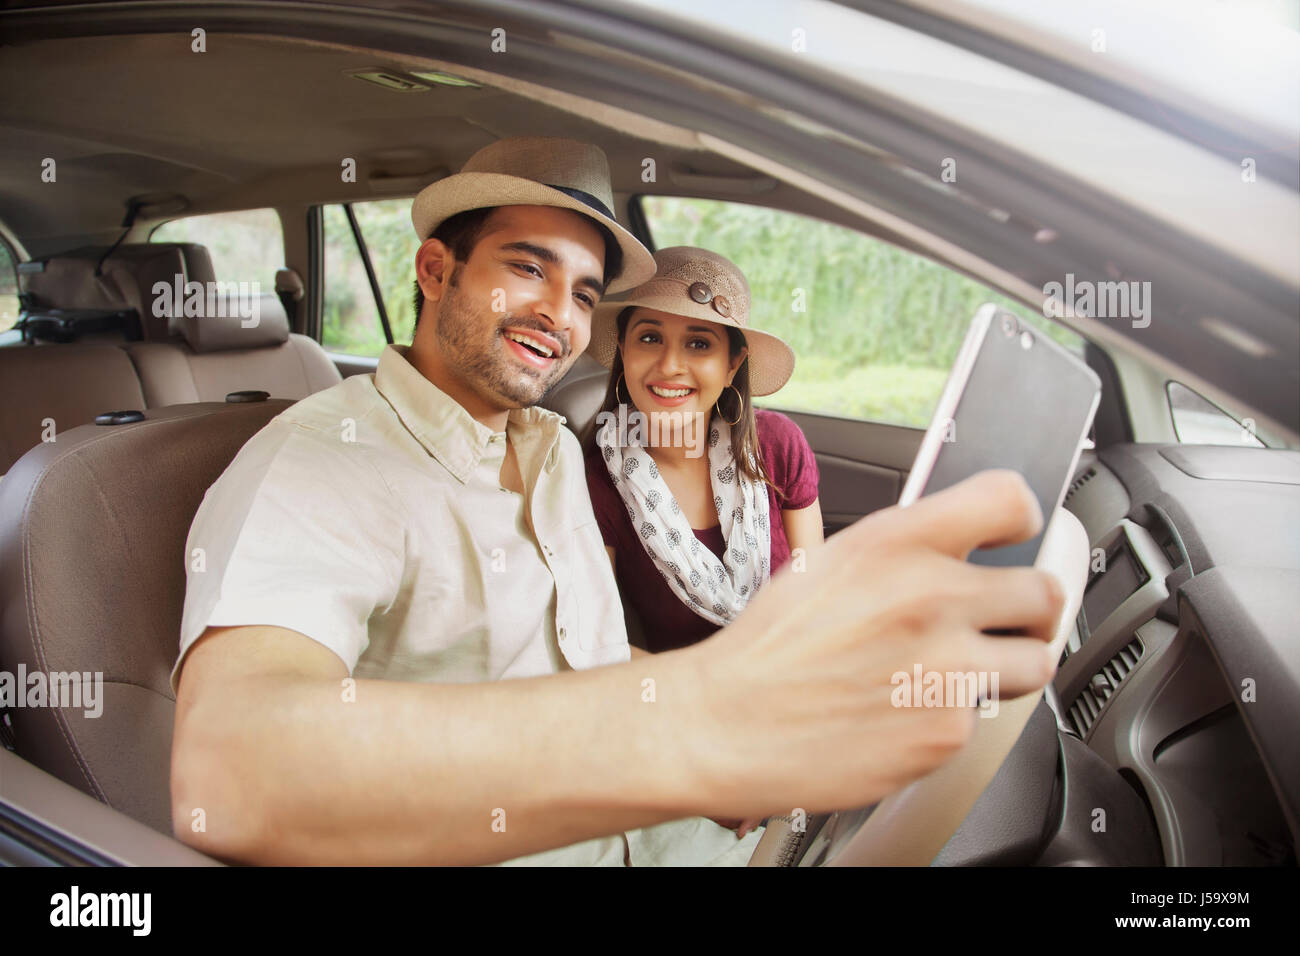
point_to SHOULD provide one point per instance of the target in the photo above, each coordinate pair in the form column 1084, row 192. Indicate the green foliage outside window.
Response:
column 874, row 328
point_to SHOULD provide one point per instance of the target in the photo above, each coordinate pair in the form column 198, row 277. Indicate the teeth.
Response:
column 670, row 392
column 530, row 342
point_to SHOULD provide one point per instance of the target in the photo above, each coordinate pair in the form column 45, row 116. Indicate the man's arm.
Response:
column 292, row 762
column 788, row 707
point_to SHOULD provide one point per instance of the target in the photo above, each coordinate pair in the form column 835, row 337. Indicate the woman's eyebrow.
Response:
column 707, row 330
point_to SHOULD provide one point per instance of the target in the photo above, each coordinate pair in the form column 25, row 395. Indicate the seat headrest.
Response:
column 288, row 282
column 231, row 318
column 127, row 278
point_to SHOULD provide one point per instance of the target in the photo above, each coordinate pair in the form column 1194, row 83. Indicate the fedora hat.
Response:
column 535, row 171
column 697, row 284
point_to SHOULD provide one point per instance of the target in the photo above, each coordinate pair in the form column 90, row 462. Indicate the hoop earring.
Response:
column 616, row 398
column 740, row 401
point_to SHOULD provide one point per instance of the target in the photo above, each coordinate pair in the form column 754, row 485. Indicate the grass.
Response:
column 896, row 394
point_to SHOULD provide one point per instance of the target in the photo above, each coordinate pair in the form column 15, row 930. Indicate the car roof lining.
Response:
column 229, row 136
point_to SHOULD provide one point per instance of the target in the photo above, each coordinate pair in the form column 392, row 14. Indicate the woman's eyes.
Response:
column 697, row 345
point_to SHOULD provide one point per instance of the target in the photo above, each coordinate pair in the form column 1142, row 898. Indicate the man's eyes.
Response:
column 586, row 298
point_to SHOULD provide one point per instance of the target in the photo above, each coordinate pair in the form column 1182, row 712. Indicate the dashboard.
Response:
column 1169, row 734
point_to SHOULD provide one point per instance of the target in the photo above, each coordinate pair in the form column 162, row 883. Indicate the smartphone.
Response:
column 1014, row 399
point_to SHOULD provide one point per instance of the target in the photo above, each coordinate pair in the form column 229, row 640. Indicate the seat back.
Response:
column 85, row 279
column 216, row 354
column 92, row 581
column 578, row 395
column 48, row 389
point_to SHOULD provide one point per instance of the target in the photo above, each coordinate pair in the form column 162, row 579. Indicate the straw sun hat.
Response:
column 535, row 171
column 697, row 284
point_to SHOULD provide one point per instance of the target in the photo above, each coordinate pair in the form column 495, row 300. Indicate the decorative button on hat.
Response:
column 697, row 284
column 535, row 171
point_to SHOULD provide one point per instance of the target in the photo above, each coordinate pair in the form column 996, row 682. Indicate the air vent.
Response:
column 1087, row 707
column 1080, row 482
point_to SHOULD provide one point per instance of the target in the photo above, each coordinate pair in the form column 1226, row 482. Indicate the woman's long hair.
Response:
column 744, row 434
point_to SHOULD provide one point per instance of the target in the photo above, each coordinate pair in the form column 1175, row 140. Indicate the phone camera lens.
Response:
column 1009, row 325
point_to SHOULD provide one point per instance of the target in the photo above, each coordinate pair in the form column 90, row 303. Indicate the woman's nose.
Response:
column 671, row 361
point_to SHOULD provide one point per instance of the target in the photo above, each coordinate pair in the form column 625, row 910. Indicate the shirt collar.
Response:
column 442, row 426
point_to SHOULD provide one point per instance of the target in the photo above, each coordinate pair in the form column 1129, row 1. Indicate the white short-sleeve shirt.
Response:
column 371, row 518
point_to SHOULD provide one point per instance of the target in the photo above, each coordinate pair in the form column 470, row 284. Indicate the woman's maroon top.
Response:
column 669, row 622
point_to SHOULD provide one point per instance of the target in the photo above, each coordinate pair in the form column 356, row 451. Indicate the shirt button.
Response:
column 563, row 633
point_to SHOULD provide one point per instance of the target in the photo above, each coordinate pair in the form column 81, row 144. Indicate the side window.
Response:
column 8, row 287
column 351, row 321
column 245, row 246
column 1198, row 421
column 875, row 329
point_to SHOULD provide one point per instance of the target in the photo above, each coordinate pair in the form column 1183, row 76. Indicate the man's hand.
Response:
column 797, row 695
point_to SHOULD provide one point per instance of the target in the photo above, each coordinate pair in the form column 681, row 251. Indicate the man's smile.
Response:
column 535, row 349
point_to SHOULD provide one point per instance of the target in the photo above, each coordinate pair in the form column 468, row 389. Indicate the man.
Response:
column 408, row 645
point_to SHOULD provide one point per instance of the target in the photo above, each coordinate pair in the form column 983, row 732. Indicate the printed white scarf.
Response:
column 715, row 590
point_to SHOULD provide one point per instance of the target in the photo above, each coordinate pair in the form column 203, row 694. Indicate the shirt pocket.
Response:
column 592, row 606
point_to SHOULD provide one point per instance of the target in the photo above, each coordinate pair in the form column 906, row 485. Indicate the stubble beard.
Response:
column 471, row 345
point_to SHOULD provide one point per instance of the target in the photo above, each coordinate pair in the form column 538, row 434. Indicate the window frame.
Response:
column 1241, row 425
column 316, row 252
column 15, row 261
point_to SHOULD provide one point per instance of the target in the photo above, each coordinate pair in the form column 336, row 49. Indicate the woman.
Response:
column 700, row 498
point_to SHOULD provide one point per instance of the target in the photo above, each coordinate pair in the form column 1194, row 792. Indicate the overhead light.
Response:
column 389, row 81
column 444, row 79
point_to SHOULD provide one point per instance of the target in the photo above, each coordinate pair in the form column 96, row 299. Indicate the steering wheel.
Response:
column 910, row 827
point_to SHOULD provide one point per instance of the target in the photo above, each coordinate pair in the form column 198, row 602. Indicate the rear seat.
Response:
column 578, row 396
column 180, row 360
column 217, row 356
column 126, row 279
